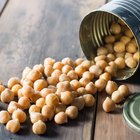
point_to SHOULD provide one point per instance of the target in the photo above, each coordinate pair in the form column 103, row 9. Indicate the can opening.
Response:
column 94, row 27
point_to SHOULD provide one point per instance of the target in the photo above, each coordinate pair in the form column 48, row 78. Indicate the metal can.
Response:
column 96, row 25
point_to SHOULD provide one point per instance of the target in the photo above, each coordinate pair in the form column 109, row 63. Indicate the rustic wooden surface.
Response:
column 35, row 29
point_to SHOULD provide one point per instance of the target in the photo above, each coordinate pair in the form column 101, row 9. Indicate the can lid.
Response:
column 131, row 112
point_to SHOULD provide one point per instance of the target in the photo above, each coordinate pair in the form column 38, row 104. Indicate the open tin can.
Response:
column 96, row 25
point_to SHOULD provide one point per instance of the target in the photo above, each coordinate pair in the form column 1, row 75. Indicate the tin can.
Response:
column 97, row 23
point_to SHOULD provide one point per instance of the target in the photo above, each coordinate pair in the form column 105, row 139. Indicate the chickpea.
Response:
column 110, row 57
column 20, row 115
column 100, row 84
column 39, row 67
column 106, row 76
column 130, row 62
column 40, row 84
column 60, row 108
column 131, row 48
column 35, row 117
column 89, row 100
column 53, row 88
column 115, row 28
column 49, row 61
column 48, row 70
column 96, row 70
column 68, row 61
column 56, row 73
column 79, row 102
column 113, row 65
column 80, row 70
column 35, row 97
column 118, row 36
column 27, row 91
column 108, row 105
column 128, row 33
column 64, row 77
column 75, row 84
column 25, row 72
column 86, row 64
column 48, row 112
column 128, row 55
column 123, row 89
column 7, row 95
column 133, row 41
column 61, row 118
column 52, row 80
column 66, row 69
column 111, row 87
column 72, row 75
column 84, row 81
column 120, row 62
column 111, row 70
column 52, row 100
column 102, row 64
column 39, row 127
column 81, row 91
column 125, row 39
column 117, row 97
column 20, row 93
column 15, row 89
column 45, row 91
column 119, row 47
column 27, row 82
column 109, row 39
column 98, row 58
column 102, row 51
column 13, row 126
column 34, row 75
column 120, row 55
column 34, row 108
column 136, row 56
column 58, row 65
column 72, row 112
column 12, row 107
column 40, row 102
column 2, row 88
column 4, row 117
column 24, row 102
column 64, row 86
column 13, row 81
column 91, row 88
column 78, row 61
column 109, row 48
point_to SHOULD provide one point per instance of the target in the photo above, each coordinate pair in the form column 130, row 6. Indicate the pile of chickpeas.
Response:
column 58, row 90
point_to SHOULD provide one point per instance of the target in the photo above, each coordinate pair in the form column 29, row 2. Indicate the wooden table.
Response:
column 31, row 30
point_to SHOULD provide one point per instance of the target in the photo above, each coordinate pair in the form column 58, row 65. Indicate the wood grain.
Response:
column 35, row 29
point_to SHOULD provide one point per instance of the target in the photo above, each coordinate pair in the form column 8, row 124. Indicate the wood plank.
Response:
column 3, row 3
column 35, row 29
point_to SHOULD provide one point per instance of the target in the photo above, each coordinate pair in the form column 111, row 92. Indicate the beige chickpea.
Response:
column 25, row 72
column 111, row 87
column 56, row 73
column 13, row 126
column 115, row 28
column 34, row 108
column 20, row 115
column 64, row 86
column 24, row 102
column 102, row 51
column 75, row 84
column 120, row 55
column 128, row 33
column 128, row 55
column 88, row 75
column 84, row 81
column 39, row 127
column 79, row 102
column 108, row 105
column 134, row 41
column 60, row 108
column 130, row 62
column 48, row 112
column 118, row 37
column 106, row 76
column 125, row 39
column 110, row 57
column 81, row 91
column 27, row 82
column 58, row 65
column 12, row 107
column 13, row 81
column 20, row 93
column 7, row 95
column 91, row 88
column 35, row 97
column 86, row 64
column 52, row 88
column 68, row 61
column 111, row 70
column 49, row 61
column 102, row 64
column 64, row 77
column 66, row 69
column 100, row 84
column 109, row 39
column 119, row 47
column 131, row 48
column 136, row 56
column 39, row 67
column 61, row 118
column 96, row 70
column 120, row 62
column 52, row 80
column 4, row 116
column 40, row 84
column 72, row 75
column 117, row 97
column 72, row 112
column 89, row 100
column 123, row 89
column 36, row 116
column 80, row 70
column 27, row 91
column 52, row 100
column 2, row 88
column 40, row 102
column 48, row 70
column 78, row 61
column 15, row 89
column 98, row 58
column 113, row 65
column 45, row 91
column 109, row 48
